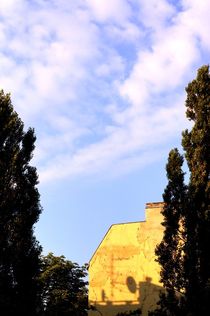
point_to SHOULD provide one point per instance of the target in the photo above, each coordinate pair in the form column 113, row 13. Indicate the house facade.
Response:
column 123, row 273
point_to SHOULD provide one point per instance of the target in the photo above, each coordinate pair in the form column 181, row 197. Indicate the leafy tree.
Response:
column 184, row 253
column 64, row 287
column 19, row 211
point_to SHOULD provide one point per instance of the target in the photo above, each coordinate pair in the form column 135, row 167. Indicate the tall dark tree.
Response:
column 184, row 253
column 170, row 251
column 64, row 287
column 196, row 144
column 19, row 211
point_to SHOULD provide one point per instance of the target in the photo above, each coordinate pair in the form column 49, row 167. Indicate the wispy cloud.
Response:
column 103, row 81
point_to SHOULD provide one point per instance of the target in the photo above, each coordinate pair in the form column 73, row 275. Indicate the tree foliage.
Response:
column 196, row 144
column 19, row 211
column 184, row 253
column 170, row 251
column 64, row 290
column 136, row 312
column 30, row 284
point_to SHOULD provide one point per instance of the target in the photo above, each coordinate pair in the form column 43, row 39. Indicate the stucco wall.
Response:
column 123, row 274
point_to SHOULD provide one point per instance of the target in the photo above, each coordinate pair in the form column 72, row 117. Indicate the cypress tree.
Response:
column 19, row 211
column 196, row 144
column 184, row 253
column 170, row 251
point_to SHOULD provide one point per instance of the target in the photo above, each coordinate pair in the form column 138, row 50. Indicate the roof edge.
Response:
column 154, row 204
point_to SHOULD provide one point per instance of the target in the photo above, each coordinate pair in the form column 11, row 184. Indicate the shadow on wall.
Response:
column 147, row 297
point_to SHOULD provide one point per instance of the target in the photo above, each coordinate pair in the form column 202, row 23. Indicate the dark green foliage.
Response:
column 170, row 250
column 19, row 211
column 168, row 305
column 136, row 312
column 184, row 253
column 196, row 144
column 64, row 287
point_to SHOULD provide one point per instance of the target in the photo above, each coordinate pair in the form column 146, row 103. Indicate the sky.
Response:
column 103, row 85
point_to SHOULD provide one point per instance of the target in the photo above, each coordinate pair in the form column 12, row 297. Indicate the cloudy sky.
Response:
column 103, row 84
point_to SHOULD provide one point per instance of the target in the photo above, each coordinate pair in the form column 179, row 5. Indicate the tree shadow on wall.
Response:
column 146, row 297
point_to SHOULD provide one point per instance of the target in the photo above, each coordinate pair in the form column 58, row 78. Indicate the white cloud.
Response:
column 128, row 32
column 165, row 64
column 51, row 45
column 156, row 14
column 113, row 64
column 103, row 81
column 8, row 6
column 115, row 11
column 196, row 19
column 137, row 142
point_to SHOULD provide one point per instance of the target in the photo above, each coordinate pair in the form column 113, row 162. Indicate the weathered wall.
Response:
column 123, row 274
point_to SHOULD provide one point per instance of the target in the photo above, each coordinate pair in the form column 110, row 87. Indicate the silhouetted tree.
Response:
column 19, row 211
column 136, row 312
column 170, row 250
column 184, row 253
column 196, row 144
column 64, row 287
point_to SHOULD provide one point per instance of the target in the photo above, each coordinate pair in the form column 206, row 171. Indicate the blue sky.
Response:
column 103, row 84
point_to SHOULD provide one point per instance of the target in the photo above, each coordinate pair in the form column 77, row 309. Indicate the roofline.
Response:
column 148, row 205
column 110, row 227
column 154, row 204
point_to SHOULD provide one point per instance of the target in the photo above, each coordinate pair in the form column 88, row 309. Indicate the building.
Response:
column 123, row 273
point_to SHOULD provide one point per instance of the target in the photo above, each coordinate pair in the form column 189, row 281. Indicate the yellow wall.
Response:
column 123, row 274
